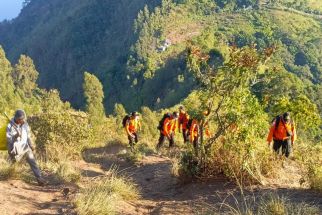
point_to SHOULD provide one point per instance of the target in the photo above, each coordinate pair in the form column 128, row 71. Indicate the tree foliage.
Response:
column 25, row 75
column 93, row 93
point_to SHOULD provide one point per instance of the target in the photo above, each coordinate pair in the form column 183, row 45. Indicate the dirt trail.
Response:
column 17, row 197
column 161, row 192
column 164, row 194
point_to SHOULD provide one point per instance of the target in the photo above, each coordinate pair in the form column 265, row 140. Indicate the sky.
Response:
column 9, row 9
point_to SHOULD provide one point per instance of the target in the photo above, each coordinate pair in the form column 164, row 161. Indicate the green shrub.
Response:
column 69, row 131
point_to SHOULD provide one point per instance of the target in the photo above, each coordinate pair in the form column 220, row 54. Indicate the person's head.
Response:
column 287, row 117
column 20, row 117
column 175, row 115
column 206, row 112
column 181, row 109
column 135, row 115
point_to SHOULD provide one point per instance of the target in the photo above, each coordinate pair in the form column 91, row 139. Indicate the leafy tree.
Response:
column 238, row 118
column 25, row 75
column 7, row 95
column 51, row 102
column 119, row 110
column 94, row 95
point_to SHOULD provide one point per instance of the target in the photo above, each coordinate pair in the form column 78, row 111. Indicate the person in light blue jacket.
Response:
column 20, row 144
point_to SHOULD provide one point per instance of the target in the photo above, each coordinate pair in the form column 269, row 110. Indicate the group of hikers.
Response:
column 191, row 128
column 282, row 133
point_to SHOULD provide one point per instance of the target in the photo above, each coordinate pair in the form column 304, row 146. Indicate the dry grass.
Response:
column 269, row 204
column 103, row 195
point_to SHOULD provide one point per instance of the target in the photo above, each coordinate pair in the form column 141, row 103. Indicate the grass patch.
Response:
column 269, row 204
column 102, row 196
column 276, row 205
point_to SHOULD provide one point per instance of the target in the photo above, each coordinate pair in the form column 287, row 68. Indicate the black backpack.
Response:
column 278, row 120
column 166, row 115
column 125, row 119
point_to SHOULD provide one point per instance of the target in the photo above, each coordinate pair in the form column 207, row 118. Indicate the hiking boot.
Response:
column 41, row 182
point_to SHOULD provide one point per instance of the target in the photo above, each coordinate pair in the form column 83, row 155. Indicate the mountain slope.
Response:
column 67, row 38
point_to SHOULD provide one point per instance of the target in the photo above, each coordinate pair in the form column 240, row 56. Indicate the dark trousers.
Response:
column 133, row 140
column 196, row 143
column 185, row 135
column 286, row 146
column 163, row 138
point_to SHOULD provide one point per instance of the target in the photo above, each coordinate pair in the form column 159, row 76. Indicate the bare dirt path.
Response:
column 17, row 197
column 162, row 193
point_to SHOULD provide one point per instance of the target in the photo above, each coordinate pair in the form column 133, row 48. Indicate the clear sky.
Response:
column 9, row 9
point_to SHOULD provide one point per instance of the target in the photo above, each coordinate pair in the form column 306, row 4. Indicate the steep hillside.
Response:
column 67, row 38
column 141, row 56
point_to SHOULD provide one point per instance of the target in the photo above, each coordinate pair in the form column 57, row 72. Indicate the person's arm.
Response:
column 127, row 128
column 12, row 136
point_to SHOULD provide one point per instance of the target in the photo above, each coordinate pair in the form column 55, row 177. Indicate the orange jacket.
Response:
column 132, row 125
column 280, row 133
column 169, row 126
column 183, row 120
column 195, row 129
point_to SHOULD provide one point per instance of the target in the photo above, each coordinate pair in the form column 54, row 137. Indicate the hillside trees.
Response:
column 7, row 95
column 94, row 95
column 239, row 117
column 25, row 75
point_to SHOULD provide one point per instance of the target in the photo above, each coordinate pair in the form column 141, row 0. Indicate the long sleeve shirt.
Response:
column 18, row 145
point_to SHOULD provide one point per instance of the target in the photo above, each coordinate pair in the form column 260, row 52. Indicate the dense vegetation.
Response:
column 127, row 52
column 244, row 61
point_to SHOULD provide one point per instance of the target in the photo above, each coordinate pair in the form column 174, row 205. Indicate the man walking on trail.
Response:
column 197, row 127
column 283, row 134
column 20, row 144
column 183, row 122
column 132, row 126
column 194, row 132
column 168, row 130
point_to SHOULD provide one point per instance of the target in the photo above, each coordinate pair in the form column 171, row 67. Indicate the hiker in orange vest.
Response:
column 183, row 123
column 196, row 126
column 132, row 126
column 168, row 129
column 283, row 134
column 194, row 132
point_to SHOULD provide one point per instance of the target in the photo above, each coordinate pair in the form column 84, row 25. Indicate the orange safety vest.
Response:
column 281, row 131
column 133, row 125
column 169, row 126
column 194, row 130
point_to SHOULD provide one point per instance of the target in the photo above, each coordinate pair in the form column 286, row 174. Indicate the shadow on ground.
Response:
column 163, row 194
